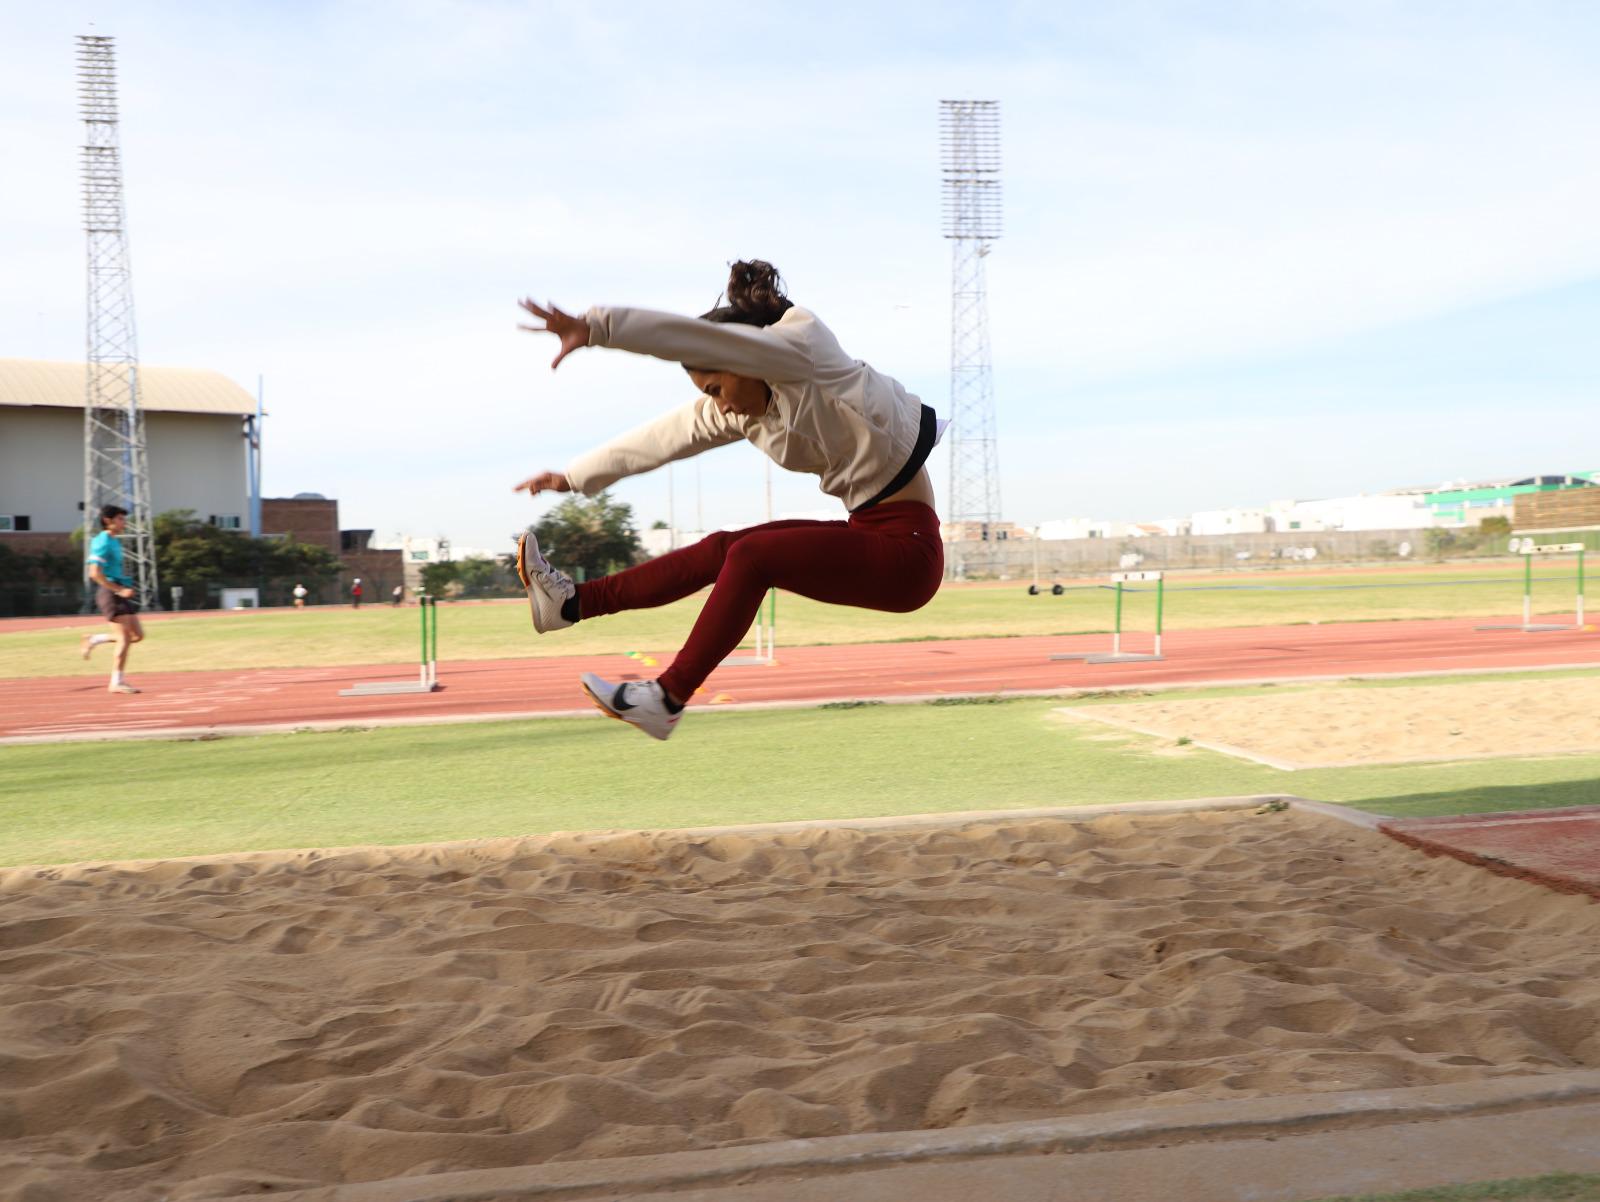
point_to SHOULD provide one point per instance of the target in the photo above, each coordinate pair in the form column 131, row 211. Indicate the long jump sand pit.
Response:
column 198, row 1028
column 1340, row 726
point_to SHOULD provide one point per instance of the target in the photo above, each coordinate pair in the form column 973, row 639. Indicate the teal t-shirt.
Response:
column 106, row 550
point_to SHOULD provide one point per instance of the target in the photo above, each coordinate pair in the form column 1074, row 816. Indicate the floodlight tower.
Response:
column 969, row 136
column 115, row 471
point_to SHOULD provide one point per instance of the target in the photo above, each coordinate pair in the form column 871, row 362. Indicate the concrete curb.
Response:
column 751, row 1165
column 890, row 822
column 1105, row 718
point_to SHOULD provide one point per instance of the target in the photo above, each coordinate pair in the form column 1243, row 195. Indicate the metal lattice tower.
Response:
column 969, row 136
column 115, row 471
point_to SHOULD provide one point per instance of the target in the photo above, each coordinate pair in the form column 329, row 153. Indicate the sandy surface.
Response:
column 192, row 1028
column 1336, row 727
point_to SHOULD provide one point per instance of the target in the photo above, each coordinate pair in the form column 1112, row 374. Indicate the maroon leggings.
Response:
column 887, row 557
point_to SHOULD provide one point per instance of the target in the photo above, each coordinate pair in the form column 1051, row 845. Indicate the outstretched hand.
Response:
column 573, row 331
column 544, row 482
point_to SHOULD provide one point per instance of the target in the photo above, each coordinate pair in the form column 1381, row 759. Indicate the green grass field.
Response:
column 501, row 630
column 393, row 785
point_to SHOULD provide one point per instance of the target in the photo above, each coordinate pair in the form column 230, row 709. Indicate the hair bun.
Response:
column 755, row 288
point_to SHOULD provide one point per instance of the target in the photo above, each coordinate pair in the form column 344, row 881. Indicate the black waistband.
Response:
column 927, row 431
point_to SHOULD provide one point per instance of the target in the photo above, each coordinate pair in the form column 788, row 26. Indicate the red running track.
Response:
column 78, row 707
column 1557, row 848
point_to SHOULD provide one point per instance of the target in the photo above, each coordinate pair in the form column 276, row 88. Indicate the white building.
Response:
column 1384, row 512
column 195, row 439
column 1068, row 528
column 659, row 542
column 418, row 551
column 1229, row 521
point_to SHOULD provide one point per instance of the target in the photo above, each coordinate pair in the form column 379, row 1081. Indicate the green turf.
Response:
column 1552, row 1187
column 498, row 630
column 127, row 800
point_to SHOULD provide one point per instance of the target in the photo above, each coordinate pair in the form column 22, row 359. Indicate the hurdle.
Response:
column 1118, row 655
column 1528, row 625
column 766, row 630
column 428, row 673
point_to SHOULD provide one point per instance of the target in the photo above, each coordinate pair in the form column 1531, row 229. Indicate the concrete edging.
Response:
column 1204, row 1122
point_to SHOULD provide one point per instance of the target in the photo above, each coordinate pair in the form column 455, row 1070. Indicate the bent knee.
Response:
column 746, row 555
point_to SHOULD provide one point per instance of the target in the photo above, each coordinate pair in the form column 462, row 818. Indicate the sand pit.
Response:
column 1340, row 727
column 197, row 1028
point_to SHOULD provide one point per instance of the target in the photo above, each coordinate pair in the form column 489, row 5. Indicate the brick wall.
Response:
column 1563, row 509
column 305, row 521
column 32, row 543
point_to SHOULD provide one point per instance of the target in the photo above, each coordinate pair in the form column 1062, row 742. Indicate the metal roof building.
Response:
column 194, row 429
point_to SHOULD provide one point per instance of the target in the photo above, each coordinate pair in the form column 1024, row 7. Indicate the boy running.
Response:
column 113, row 595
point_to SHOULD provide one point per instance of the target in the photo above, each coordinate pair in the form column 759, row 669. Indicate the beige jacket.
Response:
column 831, row 416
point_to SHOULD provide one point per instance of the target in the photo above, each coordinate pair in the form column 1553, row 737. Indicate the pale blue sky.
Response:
column 1252, row 251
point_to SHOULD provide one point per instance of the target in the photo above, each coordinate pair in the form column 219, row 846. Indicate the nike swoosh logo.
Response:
column 617, row 703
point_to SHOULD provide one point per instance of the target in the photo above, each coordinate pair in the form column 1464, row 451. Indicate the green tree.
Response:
column 484, row 578
column 594, row 535
column 438, row 577
column 1439, row 542
column 195, row 555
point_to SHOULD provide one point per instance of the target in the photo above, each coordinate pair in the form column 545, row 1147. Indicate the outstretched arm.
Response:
column 774, row 353
column 544, row 482
column 686, row 431
column 573, row 331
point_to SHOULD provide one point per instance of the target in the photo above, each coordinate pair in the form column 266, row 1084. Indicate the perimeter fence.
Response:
column 1024, row 558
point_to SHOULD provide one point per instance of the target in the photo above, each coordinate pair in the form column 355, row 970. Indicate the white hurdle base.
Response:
column 427, row 682
column 766, row 651
column 379, row 688
column 1107, row 657
column 1531, row 627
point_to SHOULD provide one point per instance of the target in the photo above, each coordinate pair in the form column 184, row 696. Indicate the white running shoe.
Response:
column 640, row 702
column 121, row 687
column 88, row 645
column 547, row 587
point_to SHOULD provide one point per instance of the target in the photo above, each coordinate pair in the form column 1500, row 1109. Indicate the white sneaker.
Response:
column 640, row 702
column 121, row 687
column 547, row 587
column 87, row 645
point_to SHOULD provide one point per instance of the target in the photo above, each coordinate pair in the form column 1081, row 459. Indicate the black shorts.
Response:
column 113, row 606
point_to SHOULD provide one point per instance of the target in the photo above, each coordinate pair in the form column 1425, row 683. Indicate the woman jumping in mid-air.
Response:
column 770, row 372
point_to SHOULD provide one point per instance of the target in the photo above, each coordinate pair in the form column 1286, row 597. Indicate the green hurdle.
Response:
column 1528, row 626
column 766, row 632
column 1117, row 654
column 428, row 671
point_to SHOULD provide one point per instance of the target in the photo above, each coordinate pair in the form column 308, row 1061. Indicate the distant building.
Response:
column 418, row 551
column 310, row 517
column 1382, row 512
column 1549, row 511
column 1229, row 521
column 659, row 542
column 1467, row 503
column 960, row 532
column 1070, row 528
column 194, row 435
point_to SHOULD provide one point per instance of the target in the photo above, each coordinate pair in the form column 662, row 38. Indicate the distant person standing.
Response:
column 399, row 593
column 299, row 596
column 113, row 595
column 355, row 593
